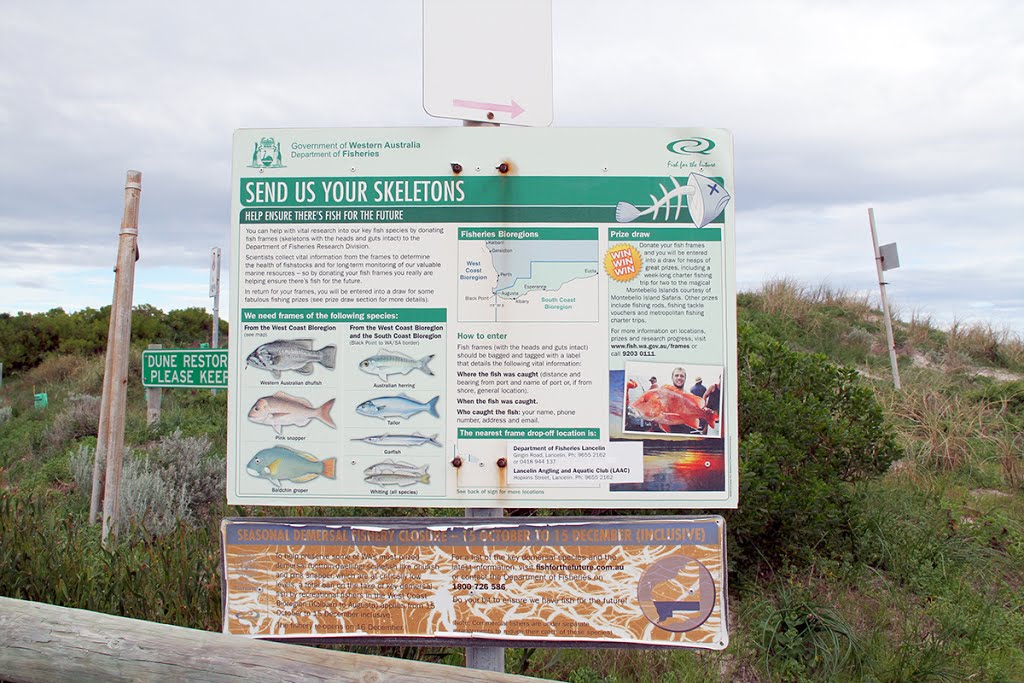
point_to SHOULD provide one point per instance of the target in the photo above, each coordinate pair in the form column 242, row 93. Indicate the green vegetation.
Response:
column 880, row 535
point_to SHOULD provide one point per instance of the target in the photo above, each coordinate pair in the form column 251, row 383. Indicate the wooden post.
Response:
column 117, row 351
column 153, row 397
column 41, row 642
column 885, row 303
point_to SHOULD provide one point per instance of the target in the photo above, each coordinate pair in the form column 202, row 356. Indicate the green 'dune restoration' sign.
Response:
column 185, row 368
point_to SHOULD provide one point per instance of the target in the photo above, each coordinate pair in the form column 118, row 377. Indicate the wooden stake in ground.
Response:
column 112, row 409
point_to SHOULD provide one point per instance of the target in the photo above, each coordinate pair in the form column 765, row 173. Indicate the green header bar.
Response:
column 500, row 199
column 314, row 316
column 185, row 368
column 665, row 234
column 528, row 234
column 533, row 433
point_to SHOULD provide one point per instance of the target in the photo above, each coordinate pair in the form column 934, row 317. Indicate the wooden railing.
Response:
column 40, row 642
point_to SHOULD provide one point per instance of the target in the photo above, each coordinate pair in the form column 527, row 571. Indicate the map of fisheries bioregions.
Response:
column 528, row 280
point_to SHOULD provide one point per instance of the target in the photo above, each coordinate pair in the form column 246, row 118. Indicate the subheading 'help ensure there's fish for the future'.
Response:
column 291, row 354
column 281, row 410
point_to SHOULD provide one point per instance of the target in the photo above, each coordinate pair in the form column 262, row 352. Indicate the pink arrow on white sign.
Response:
column 514, row 109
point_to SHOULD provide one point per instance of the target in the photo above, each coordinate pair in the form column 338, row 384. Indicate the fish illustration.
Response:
column 281, row 463
column 665, row 407
column 394, row 363
column 403, row 476
column 390, row 466
column 706, row 199
column 396, row 406
column 291, row 354
column 281, row 410
column 627, row 213
column 416, row 439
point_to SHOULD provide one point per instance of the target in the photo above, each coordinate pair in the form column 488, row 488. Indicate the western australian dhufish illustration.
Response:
column 385, row 440
column 396, row 473
column 666, row 407
column 706, row 200
column 291, row 354
column 282, row 410
column 281, row 463
column 397, row 406
column 388, row 363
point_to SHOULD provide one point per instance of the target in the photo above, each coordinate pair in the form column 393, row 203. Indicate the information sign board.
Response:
column 185, row 368
column 483, row 317
column 621, row 581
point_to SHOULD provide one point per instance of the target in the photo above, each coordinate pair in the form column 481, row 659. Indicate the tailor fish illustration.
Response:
column 388, row 363
column 291, row 354
column 397, row 406
column 282, row 410
column 281, row 463
column 416, row 439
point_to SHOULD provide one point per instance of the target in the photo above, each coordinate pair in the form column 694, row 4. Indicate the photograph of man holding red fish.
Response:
column 674, row 406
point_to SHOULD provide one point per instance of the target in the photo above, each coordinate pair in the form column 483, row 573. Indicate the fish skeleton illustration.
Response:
column 665, row 407
column 394, row 363
column 281, row 410
column 291, row 354
column 706, row 199
column 396, row 406
column 281, row 463
column 402, row 476
column 416, row 439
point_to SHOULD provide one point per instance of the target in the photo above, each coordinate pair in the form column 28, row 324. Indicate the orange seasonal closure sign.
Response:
column 653, row 581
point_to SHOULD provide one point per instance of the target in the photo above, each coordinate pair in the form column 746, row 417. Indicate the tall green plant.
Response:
column 807, row 428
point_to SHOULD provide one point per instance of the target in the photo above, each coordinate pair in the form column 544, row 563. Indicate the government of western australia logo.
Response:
column 266, row 153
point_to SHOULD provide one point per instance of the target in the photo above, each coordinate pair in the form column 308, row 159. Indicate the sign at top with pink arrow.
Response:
column 488, row 61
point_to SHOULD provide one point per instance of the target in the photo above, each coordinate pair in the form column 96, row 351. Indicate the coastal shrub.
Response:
column 808, row 428
column 79, row 416
column 169, row 483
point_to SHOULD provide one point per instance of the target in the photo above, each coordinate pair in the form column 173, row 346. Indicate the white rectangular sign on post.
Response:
column 483, row 317
column 488, row 61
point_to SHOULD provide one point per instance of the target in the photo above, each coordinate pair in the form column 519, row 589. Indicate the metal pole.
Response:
column 885, row 302
column 215, row 293
column 154, row 395
column 117, row 351
column 485, row 658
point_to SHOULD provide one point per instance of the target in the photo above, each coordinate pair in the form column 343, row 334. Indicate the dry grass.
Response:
column 939, row 427
column 985, row 342
column 1009, row 445
column 788, row 298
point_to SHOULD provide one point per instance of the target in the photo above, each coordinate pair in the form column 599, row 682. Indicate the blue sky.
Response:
column 913, row 108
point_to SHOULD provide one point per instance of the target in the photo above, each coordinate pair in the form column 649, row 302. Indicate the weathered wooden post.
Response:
column 117, row 353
